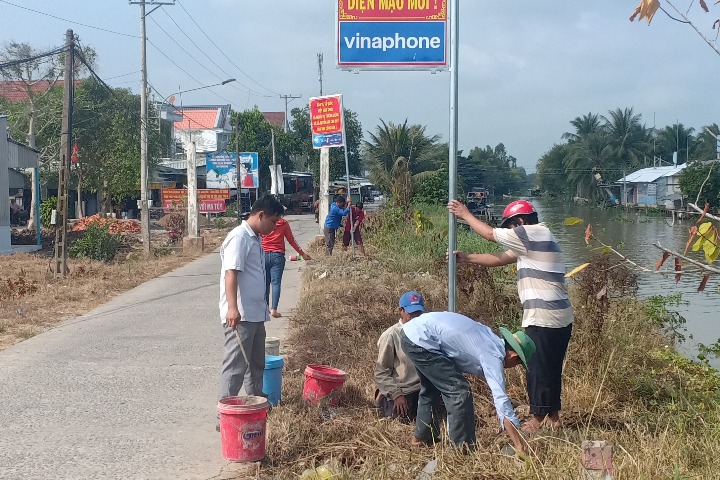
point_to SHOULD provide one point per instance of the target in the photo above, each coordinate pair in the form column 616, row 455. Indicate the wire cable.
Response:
column 70, row 21
column 222, row 52
column 21, row 61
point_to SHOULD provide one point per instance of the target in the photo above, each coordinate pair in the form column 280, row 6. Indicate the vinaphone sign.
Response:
column 392, row 34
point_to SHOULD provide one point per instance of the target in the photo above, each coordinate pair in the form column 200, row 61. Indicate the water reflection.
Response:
column 634, row 234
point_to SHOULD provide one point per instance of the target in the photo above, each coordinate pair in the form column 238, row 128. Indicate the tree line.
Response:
column 604, row 148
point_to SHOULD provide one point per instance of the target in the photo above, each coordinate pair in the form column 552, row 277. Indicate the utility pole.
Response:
column 274, row 177
column 65, row 153
column 320, row 70
column 452, row 185
column 144, row 210
column 288, row 98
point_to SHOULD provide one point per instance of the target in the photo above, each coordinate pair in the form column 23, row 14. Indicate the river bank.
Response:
column 624, row 382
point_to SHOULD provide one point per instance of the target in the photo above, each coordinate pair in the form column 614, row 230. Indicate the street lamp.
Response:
column 224, row 82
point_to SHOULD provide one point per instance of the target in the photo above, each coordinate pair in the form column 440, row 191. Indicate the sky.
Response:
column 526, row 68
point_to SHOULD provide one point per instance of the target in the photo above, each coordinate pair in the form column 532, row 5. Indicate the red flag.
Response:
column 74, row 153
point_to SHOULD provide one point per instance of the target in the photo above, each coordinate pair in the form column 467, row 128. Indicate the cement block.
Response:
column 193, row 244
column 597, row 460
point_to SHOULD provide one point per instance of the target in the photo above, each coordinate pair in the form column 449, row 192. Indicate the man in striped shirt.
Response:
column 547, row 313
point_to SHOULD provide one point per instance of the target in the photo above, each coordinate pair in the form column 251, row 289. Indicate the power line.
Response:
column 69, row 21
column 21, row 61
column 222, row 52
column 182, row 30
column 124, row 75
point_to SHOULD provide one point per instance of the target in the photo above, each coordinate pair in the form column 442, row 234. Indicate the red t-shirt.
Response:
column 275, row 240
column 357, row 215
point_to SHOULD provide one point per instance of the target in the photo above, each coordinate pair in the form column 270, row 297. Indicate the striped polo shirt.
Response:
column 541, row 275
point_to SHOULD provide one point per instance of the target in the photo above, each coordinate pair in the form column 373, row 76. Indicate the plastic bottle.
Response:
column 294, row 258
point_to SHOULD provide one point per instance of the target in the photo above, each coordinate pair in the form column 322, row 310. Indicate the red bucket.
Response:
column 242, row 428
column 322, row 384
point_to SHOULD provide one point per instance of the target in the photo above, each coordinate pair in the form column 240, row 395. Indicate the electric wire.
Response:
column 222, row 52
column 186, row 72
column 228, row 75
column 22, row 61
column 81, row 56
column 124, row 75
column 70, row 21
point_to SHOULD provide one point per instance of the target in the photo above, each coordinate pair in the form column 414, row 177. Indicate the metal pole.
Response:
column 350, row 217
column 145, row 213
column 452, row 184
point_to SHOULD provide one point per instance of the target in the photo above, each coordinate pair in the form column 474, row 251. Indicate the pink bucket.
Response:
column 242, row 428
column 323, row 384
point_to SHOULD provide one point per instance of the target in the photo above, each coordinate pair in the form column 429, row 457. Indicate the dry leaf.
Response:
column 601, row 293
column 678, row 268
column 704, row 282
column 693, row 231
column 705, row 211
column 660, row 262
column 588, row 233
column 704, row 6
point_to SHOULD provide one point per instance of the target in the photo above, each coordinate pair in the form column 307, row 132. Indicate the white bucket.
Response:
column 272, row 346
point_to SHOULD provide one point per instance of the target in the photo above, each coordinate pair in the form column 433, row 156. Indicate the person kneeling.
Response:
column 398, row 384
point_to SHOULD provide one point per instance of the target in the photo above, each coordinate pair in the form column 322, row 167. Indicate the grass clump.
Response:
column 623, row 380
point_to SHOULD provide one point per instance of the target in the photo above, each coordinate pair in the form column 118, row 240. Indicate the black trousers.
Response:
column 387, row 407
column 544, row 373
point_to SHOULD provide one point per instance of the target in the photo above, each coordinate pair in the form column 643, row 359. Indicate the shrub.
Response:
column 175, row 225
column 46, row 208
column 97, row 244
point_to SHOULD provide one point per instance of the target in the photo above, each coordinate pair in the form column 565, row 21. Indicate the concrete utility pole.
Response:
column 65, row 153
column 324, row 186
column 320, row 70
column 145, row 213
column 287, row 99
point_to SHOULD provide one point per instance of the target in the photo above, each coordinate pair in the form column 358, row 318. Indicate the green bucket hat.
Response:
column 520, row 343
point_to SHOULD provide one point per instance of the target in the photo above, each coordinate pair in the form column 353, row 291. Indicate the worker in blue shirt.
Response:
column 445, row 345
column 338, row 210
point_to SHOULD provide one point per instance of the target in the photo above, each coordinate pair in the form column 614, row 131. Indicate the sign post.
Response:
column 327, row 121
column 407, row 35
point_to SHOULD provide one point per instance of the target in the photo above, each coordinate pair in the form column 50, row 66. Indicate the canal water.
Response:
column 634, row 234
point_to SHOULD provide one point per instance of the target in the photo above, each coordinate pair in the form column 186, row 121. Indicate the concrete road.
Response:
column 127, row 391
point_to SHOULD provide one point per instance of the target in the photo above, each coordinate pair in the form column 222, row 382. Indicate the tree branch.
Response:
column 700, row 210
column 713, row 46
column 700, row 265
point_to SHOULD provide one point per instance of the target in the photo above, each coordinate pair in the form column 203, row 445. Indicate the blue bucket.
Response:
column 272, row 378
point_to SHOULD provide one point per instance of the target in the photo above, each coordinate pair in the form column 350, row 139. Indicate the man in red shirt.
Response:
column 358, row 216
column 273, row 245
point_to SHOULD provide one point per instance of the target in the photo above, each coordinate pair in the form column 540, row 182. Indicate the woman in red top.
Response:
column 358, row 216
column 274, row 246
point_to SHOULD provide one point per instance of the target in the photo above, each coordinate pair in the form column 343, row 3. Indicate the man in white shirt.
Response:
column 243, row 307
column 547, row 313
column 443, row 346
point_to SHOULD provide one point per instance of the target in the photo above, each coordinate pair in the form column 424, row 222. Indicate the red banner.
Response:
column 326, row 115
column 209, row 200
column 394, row 10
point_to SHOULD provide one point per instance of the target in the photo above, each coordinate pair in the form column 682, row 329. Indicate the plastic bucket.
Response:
column 272, row 346
column 272, row 378
column 322, row 384
column 242, row 428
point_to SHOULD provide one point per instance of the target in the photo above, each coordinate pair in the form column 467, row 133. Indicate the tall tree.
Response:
column 630, row 141
column 705, row 146
column 585, row 125
column 551, row 174
column 592, row 154
column 673, row 138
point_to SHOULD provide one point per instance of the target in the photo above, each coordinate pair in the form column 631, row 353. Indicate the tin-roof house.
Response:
column 652, row 187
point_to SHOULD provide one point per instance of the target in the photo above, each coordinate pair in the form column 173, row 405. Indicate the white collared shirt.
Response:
column 242, row 251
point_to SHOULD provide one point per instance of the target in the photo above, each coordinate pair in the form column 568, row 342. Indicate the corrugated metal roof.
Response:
column 22, row 156
column 649, row 175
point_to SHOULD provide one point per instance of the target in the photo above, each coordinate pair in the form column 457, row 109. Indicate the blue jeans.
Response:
column 274, row 268
column 440, row 377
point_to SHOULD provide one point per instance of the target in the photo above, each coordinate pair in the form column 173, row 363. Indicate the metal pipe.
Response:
column 452, row 184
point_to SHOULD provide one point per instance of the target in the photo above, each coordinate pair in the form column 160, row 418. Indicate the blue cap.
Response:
column 412, row 302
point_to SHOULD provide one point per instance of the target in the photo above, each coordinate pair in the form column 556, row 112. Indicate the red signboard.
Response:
column 326, row 115
column 209, row 200
column 394, row 10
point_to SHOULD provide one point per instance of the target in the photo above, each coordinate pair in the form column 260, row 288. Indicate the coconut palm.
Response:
column 673, row 138
column 631, row 142
column 390, row 142
column 584, row 125
column 587, row 156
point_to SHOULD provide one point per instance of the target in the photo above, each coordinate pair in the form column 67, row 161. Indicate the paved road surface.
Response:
column 127, row 391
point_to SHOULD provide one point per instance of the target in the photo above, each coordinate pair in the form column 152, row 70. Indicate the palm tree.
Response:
column 673, row 138
column 390, row 142
column 629, row 139
column 584, row 125
column 589, row 155
column 705, row 146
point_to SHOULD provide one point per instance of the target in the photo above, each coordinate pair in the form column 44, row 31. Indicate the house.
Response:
column 657, row 187
column 208, row 126
column 16, row 91
column 12, row 155
column 275, row 118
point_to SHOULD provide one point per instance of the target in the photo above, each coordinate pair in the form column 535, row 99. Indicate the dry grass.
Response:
column 658, row 409
column 32, row 300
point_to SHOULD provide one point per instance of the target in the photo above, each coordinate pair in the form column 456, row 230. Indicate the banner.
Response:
column 209, row 200
column 249, row 170
column 326, row 120
column 221, row 170
column 277, row 184
column 392, row 34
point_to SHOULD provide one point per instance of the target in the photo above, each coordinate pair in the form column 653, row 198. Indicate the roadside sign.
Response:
column 248, row 165
column 221, row 170
column 209, row 200
column 326, row 120
column 392, row 34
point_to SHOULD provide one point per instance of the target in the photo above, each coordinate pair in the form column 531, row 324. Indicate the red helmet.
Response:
column 518, row 207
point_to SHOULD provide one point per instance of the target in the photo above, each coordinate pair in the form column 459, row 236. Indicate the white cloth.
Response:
column 242, row 251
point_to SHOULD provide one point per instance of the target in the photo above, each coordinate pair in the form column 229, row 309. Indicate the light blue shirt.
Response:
column 471, row 345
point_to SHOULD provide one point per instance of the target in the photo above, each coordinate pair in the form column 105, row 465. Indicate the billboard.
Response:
column 392, row 34
column 326, row 121
column 222, row 170
column 209, row 200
